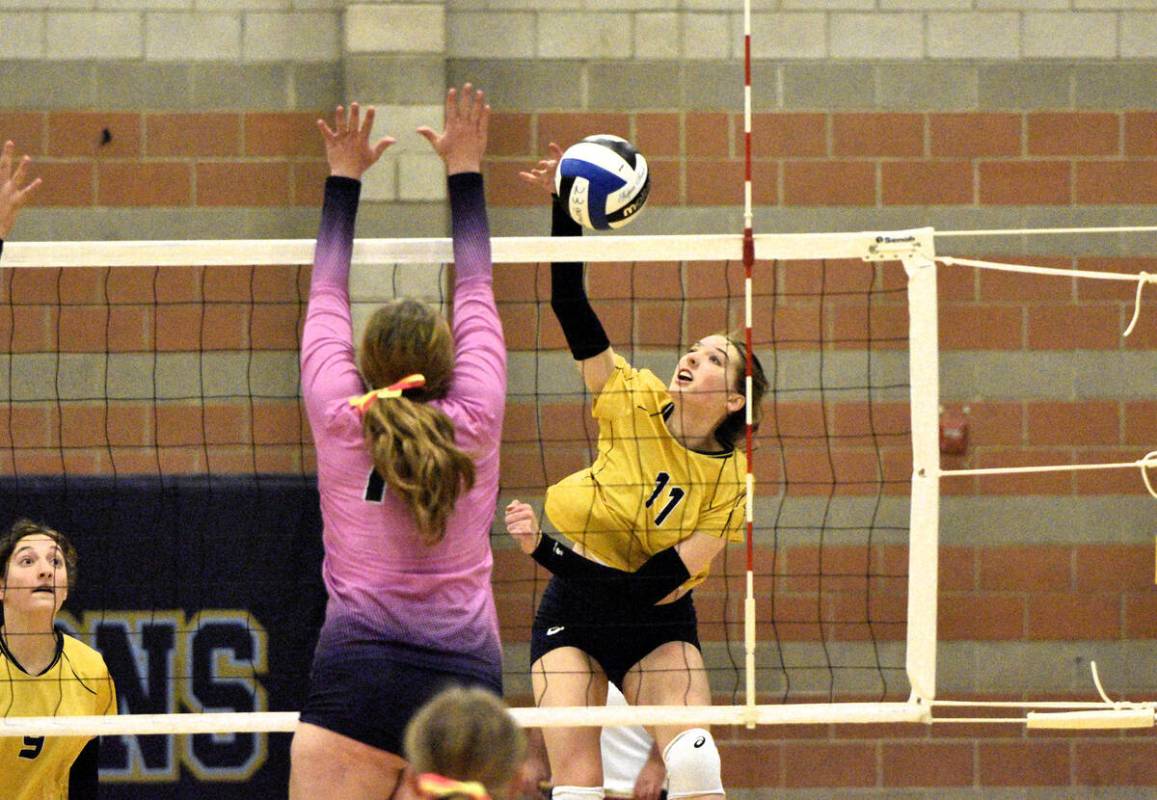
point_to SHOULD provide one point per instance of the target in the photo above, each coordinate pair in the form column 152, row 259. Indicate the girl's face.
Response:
column 37, row 577
column 709, row 370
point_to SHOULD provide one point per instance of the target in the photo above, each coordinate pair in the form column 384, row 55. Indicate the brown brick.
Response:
column 1073, row 134
column 1105, row 481
column 566, row 129
column 927, row 764
column 144, row 184
column 309, row 182
column 1123, row 291
column 74, row 134
column 274, row 327
column 973, row 327
column 65, row 183
column 242, row 184
column 1116, row 182
column 1024, row 764
column 1116, row 763
column 277, row 422
column 224, row 326
column 820, row 764
column 980, row 616
column 82, row 329
column 510, row 135
column 829, row 183
column 1109, row 567
column 995, row 423
column 1060, row 482
column 658, row 134
column 1141, row 615
column 130, row 329
column 1141, row 422
column 956, row 568
column 25, row 129
column 1089, row 422
column 975, row 135
column 1019, row 286
column 708, row 135
column 1140, row 133
column 33, row 329
column 1025, row 183
column 1033, row 568
column 785, row 136
column 282, row 133
column 886, row 134
column 196, row 134
column 1085, row 327
column 229, row 423
column 1056, row 616
column 665, row 182
column 926, row 183
column 505, row 188
column 714, row 183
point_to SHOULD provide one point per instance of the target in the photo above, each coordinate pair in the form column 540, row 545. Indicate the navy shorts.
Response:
column 371, row 694
column 616, row 639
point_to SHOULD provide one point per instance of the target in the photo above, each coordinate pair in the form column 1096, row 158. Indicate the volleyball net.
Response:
column 152, row 412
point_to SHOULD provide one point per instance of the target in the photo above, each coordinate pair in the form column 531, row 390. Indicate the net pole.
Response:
column 748, row 265
column 924, row 523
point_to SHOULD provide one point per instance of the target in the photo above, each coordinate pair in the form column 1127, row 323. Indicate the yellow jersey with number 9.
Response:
column 645, row 491
column 77, row 683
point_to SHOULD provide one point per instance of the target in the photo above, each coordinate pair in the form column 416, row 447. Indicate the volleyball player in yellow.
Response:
column 45, row 673
column 662, row 499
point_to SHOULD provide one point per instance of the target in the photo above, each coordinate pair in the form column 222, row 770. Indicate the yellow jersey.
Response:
column 645, row 491
column 77, row 683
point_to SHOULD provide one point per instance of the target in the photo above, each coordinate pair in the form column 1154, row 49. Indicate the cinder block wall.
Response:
column 962, row 114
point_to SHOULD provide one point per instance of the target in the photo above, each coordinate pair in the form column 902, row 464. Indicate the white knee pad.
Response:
column 577, row 793
column 692, row 765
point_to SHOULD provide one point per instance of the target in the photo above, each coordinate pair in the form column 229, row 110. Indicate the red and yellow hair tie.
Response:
column 395, row 389
column 439, row 786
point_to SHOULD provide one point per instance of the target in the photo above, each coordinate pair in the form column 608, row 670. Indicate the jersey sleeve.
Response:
column 479, row 383
column 328, row 368
column 628, row 388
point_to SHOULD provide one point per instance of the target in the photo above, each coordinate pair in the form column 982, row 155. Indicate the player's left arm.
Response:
column 83, row 778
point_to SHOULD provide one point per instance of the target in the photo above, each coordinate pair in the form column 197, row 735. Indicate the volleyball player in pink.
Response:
column 407, row 439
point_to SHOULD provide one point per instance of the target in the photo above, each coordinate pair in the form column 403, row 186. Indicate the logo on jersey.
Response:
column 702, row 740
column 556, row 629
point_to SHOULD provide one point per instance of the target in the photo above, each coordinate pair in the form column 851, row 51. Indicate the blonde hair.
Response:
column 411, row 442
column 466, row 734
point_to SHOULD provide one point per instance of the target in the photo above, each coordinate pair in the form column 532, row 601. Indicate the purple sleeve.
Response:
column 469, row 227
column 328, row 369
column 479, row 387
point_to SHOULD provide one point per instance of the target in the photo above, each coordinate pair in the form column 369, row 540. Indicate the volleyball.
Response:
column 602, row 181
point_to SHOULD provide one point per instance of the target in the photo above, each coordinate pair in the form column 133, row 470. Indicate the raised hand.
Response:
column 543, row 174
column 522, row 525
column 13, row 193
column 463, row 142
column 347, row 144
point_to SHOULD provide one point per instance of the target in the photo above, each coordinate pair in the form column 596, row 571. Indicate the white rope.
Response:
column 1064, row 273
column 1143, row 463
column 1144, row 278
column 1051, row 231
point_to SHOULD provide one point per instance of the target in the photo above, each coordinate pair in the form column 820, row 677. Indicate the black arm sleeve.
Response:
column 83, row 777
column 662, row 574
column 568, row 297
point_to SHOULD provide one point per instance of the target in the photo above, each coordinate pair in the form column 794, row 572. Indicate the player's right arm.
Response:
column 584, row 332
column 13, row 195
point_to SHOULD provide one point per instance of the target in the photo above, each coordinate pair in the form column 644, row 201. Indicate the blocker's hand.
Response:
column 522, row 524
column 14, row 191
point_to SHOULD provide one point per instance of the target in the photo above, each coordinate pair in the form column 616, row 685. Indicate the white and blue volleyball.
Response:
column 603, row 182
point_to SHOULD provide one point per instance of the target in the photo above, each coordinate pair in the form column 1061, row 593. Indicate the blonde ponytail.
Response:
column 412, row 445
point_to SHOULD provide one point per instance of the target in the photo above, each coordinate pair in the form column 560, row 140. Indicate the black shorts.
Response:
column 616, row 639
column 371, row 695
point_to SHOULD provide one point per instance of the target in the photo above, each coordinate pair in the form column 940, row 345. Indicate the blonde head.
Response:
column 467, row 734
column 411, row 442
